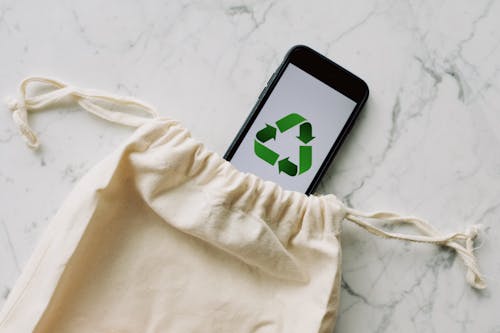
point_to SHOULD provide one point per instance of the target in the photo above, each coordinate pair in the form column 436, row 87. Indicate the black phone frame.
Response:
column 329, row 73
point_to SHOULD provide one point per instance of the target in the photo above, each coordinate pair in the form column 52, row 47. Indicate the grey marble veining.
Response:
column 427, row 143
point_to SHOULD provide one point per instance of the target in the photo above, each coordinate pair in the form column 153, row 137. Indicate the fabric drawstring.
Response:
column 89, row 100
column 85, row 98
column 429, row 235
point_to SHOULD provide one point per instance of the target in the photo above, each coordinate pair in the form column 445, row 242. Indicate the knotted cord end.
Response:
column 473, row 275
column 12, row 103
column 86, row 99
column 429, row 234
column 20, row 117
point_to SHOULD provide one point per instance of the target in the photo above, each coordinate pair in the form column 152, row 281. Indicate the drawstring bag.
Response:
column 164, row 235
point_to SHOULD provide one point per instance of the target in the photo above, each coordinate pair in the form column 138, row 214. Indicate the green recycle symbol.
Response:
column 271, row 157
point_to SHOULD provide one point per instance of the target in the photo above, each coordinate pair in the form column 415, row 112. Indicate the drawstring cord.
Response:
column 88, row 100
column 85, row 98
column 430, row 235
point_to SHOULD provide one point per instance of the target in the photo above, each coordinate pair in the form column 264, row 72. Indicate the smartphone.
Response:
column 299, row 121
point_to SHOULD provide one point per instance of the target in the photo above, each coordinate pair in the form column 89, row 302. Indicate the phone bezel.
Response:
column 329, row 73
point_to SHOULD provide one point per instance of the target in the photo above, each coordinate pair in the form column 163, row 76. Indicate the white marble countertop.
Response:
column 427, row 143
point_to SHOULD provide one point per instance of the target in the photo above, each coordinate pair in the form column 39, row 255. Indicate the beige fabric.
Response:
column 166, row 236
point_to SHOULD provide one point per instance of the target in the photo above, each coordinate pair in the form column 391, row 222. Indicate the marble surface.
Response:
column 427, row 143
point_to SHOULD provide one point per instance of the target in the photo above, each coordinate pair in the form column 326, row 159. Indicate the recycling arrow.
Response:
column 305, row 158
column 265, row 153
column 287, row 167
column 289, row 121
column 305, row 133
column 266, row 134
column 270, row 156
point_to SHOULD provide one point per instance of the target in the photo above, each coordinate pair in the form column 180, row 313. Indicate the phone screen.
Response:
column 294, row 131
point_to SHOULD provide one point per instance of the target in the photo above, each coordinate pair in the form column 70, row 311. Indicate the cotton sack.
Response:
column 164, row 235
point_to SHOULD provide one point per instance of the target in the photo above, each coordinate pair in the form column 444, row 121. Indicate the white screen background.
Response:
column 325, row 108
